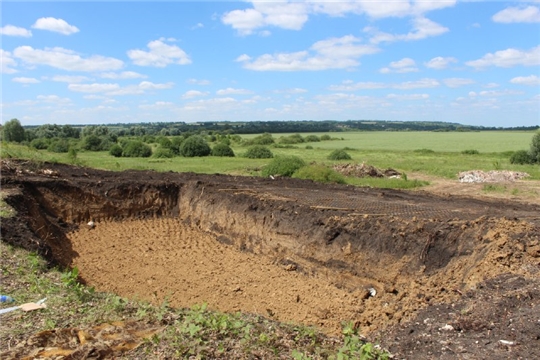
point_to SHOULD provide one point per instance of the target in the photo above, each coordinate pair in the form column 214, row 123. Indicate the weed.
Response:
column 470, row 152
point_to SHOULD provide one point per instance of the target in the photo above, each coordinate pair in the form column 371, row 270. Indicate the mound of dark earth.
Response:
column 434, row 276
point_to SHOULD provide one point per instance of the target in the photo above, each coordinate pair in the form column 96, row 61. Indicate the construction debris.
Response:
column 479, row 176
column 365, row 170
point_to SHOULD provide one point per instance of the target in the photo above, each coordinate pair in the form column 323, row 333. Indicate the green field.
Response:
column 431, row 153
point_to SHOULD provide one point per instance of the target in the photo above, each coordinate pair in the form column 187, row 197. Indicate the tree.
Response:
column 136, row 148
column 194, row 146
column 258, row 152
column 222, row 150
column 534, row 151
column 13, row 131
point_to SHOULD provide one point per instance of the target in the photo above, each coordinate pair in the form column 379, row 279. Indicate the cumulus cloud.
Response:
column 408, row 96
column 293, row 15
column 333, row 53
column 70, row 78
column 531, row 80
column 352, row 86
column 93, row 88
column 122, row 75
column 440, row 62
column 457, row 82
column 55, row 25
column 64, row 59
column 194, row 93
column 421, row 28
column 115, row 89
column 11, row 30
column 160, row 54
column 422, row 83
column 508, row 58
column 7, row 61
column 529, row 14
column 232, row 91
column 291, row 91
column 25, row 80
column 404, row 65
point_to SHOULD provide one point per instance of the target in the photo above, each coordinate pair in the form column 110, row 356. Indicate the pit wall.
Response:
column 354, row 251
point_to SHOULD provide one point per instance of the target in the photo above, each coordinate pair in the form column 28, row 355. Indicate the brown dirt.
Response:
column 289, row 249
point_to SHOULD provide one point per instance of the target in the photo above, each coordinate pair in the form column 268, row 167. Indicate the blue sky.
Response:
column 471, row 62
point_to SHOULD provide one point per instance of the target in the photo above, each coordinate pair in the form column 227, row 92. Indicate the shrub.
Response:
column 325, row 137
column 291, row 139
column 470, row 152
column 424, row 151
column 116, row 150
column 309, row 147
column 312, row 138
column 195, row 146
column 40, row 143
column 91, row 143
column 164, row 142
column 59, row 146
column 176, row 142
column 264, row 139
column 283, row 166
column 319, row 173
column 521, row 157
column 222, row 149
column 136, row 148
column 339, row 155
column 163, row 153
column 259, row 152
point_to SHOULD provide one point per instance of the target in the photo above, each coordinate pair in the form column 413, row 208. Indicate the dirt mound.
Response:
column 364, row 170
column 479, row 176
column 288, row 249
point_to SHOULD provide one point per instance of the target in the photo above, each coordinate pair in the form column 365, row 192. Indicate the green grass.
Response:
column 198, row 332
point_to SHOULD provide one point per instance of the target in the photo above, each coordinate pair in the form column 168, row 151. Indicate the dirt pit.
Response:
column 292, row 250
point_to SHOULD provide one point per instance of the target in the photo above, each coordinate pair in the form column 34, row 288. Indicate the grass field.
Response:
column 437, row 154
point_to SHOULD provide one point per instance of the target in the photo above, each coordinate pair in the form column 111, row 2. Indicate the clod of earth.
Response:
column 290, row 249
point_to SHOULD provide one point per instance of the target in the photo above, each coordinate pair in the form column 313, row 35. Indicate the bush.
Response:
column 259, row 152
column 116, row 150
column 136, row 148
column 291, row 139
column 325, row 137
column 339, row 155
column 264, row 139
column 283, row 166
column 91, row 143
column 59, row 146
column 40, row 143
column 312, row 138
column 195, row 146
column 176, row 142
column 521, row 157
column 319, row 173
column 470, row 152
column 424, row 151
column 222, row 149
column 163, row 153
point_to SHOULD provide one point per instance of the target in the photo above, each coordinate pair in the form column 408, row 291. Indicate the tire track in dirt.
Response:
column 166, row 259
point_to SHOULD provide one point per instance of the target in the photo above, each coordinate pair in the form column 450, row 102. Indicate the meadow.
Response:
column 437, row 154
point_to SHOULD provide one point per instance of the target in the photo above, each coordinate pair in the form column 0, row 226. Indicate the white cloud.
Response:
column 56, row 25
column 64, row 59
column 350, row 86
column 457, row 82
column 198, row 26
column 11, row 30
column 531, row 80
column 156, row 105
column 231, row 91
column 491, row 85
column 25, row 80
column 440, row 62
column 93, row 88
column 122, row 75
column 404, row 65
column 243, row 57
column 53, row 99
column 333, row 53
column 291, row 91
column 141, row 88
column 408, row 96
column 160, row 55
column 422, row 83
column 198, row 81
column 508, row 58
column 422, row 28
column 69, row 78
column 499, row 92
column 194, row 93
column 7, row 61
column 529, row 14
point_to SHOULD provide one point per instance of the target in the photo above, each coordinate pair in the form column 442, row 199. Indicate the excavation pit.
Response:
column 292, row 250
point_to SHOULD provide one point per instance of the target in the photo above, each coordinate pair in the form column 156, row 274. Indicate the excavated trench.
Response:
column 288, row 249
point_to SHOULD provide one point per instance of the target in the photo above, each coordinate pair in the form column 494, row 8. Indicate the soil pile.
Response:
column 364, row 170
column 289, row 249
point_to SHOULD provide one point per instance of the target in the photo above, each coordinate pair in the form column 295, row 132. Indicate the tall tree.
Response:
column 13, row 131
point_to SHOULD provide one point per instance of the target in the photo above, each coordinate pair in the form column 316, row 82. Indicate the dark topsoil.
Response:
column 498, row 318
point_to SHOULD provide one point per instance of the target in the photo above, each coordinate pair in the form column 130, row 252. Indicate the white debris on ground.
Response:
column 479, row 176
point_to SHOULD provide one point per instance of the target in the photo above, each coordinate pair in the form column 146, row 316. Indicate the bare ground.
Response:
column 298, row 251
